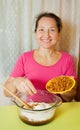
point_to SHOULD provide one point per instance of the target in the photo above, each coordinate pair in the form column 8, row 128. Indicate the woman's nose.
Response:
column 47, row 33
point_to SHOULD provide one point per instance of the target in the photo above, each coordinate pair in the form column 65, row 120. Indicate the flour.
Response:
column 38, row 115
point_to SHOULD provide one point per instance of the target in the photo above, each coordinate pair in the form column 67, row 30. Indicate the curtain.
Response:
column 17, row 19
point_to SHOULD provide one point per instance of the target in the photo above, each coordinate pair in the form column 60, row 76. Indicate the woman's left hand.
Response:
column 68, row 96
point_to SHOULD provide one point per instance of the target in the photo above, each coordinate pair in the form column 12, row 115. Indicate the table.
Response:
column 67, row 117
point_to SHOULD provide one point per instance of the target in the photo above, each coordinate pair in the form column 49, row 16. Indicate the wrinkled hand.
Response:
column 68, row 96
column 24, row 85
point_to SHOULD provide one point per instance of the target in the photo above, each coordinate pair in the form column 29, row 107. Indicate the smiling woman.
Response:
column 17, row 18
column 34, row 68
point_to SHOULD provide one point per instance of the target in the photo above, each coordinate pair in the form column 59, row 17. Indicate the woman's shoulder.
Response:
column 27, row 53
column 67, row 57
column 66, row 54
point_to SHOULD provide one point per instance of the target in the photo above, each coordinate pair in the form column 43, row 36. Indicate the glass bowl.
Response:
column 44, row 106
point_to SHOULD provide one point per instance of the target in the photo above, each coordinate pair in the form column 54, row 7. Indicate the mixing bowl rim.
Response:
column 54, row 105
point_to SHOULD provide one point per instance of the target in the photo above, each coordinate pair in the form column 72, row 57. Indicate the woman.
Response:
column 34, row 68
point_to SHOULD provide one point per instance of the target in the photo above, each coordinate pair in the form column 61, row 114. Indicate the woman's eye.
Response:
column 41, row 29
column 52, row 30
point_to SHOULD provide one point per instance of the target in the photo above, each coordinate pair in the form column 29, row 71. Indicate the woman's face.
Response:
column 47, row 32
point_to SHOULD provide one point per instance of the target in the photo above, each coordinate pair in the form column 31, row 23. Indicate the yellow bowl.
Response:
column 60, row 84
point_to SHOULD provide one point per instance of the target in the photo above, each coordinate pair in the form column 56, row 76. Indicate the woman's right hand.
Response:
column 20, row 85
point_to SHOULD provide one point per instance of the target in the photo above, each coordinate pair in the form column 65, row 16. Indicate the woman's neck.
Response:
column 46, row 52
column 46, row 57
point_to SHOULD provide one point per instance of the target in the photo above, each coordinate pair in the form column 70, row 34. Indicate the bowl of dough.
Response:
column 43, row 106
